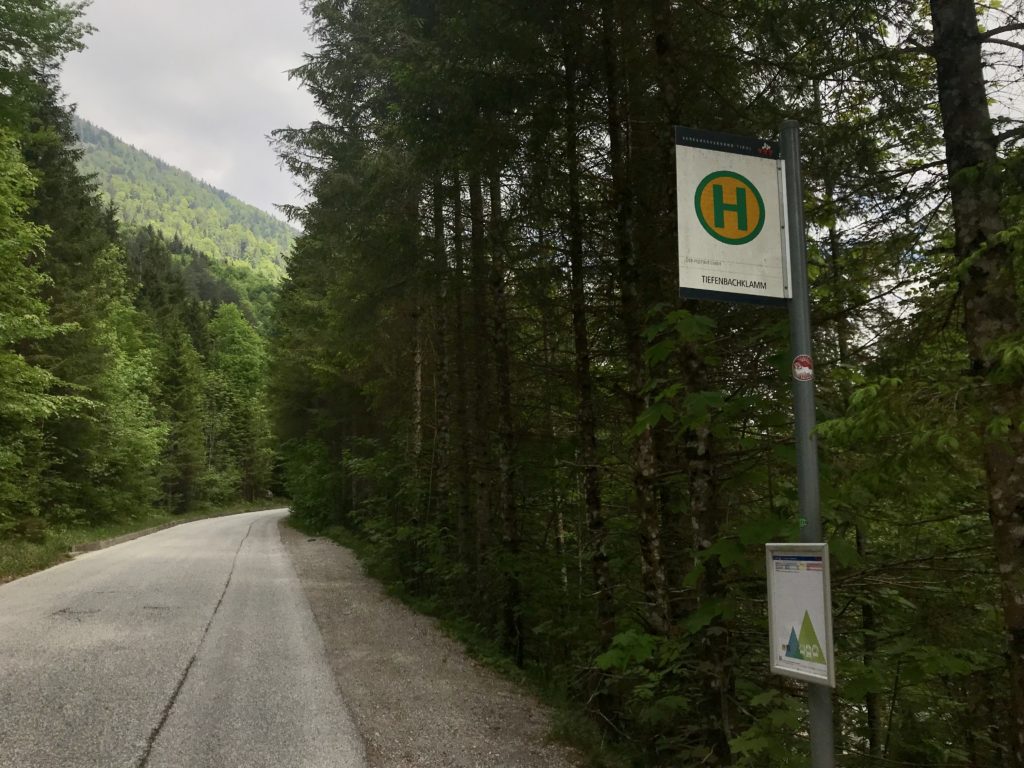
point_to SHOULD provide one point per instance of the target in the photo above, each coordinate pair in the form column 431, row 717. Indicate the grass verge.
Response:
column 570, row 724
column 22, row 556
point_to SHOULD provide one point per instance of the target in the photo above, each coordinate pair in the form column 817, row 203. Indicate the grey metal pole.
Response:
column 819, row 697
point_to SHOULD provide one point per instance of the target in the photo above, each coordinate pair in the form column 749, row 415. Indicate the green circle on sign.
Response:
column 733, row 221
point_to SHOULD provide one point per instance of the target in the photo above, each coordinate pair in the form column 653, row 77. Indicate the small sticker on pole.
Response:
column 803, row 368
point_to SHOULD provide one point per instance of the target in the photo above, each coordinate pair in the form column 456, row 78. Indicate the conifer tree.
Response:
column 27, row 398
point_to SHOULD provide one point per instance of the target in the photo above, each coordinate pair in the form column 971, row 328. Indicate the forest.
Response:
column 132, row 365
column 477, row 368
column 482, row 370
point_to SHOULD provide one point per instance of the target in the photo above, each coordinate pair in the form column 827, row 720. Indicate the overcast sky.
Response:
column 198, row 83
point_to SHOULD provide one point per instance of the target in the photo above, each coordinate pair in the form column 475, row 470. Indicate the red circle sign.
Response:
column 803, row 368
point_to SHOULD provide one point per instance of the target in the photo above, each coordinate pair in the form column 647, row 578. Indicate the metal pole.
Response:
column 819, row 697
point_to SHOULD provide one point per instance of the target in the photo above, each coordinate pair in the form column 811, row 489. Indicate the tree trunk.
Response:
column 989, row 290
column 507, row 510
column 480, row 447
column 442, row 442
column 464, row 474
column 869, row 625
column 698, row 453
column 645, row 499
column 417, row 393
column 586, row 417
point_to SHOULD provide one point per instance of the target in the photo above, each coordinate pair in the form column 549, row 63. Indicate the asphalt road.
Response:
column 194, row 647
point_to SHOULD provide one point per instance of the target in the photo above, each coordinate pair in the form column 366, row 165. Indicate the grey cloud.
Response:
column 199, row 83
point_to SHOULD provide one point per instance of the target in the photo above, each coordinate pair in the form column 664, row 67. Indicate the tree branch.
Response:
column 990, row 33
column 1007, row 43
column 1012, row 133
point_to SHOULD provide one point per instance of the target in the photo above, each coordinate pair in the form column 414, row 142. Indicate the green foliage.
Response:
column 210, row 374
column 98, row 456
column 238, row 435
column 771, row 712
column 479, row 368
column 148, row 192
column 26, row 396
column 184, row 462
column 35, row 36
column 119, row 360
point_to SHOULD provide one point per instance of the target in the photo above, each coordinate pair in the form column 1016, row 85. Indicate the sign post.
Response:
column 819, row 696
column 741, row 239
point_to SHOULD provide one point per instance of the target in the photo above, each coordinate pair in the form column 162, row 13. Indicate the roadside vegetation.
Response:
column 132, row 365
column 30, row 551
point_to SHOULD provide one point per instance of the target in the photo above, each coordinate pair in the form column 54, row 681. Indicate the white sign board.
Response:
column 730, row 193
column 800, row 612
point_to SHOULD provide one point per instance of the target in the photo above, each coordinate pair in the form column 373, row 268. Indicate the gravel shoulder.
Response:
column 417, row 699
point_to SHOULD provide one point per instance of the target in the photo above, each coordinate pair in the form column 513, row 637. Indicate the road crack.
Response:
column 143, row 761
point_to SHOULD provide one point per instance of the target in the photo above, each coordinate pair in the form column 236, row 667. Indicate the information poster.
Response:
column 731, row 212
column 800, row 612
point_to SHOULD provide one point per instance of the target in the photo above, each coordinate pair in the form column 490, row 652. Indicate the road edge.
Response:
column 95, row 546
column 534, row 744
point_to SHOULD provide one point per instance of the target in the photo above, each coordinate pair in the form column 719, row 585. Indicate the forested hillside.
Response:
column 483, row 369
column 148, row 192
column 131, row 368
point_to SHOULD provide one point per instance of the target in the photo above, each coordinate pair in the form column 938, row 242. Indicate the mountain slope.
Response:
column 147, row 191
